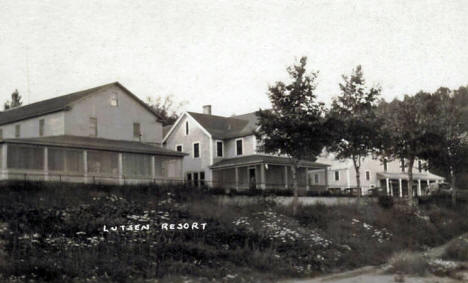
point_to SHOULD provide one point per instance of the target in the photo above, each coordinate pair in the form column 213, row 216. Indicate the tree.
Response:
column 356, row 122
column 295, row 126
column 407, row 126
column 166, row 108
column 450, row 145
column 15, row 101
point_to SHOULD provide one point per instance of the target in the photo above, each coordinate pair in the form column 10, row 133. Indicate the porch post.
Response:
column 153, row 168
column 428, row 183
column 387, row 181
column 326, row 177
column 4, row 161
column 262, row 176
column 85, row 165
column 121, row 180
column 46, row 164
column 236, row 169
column 419, row 187
column 285, row 177
column 401, row 187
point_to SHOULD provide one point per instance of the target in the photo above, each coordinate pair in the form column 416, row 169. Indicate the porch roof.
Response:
column 95, row 143
column 263, row 159
column 404, row 176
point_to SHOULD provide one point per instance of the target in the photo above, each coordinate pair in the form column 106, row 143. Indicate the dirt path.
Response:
column 377, row 274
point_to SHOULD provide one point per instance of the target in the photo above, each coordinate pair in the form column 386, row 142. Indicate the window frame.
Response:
column 242, row 147
column 337, row 175
column 93, row 123
column 181, row 147
column 41, row 127
column 193, row 149
column 137, row 126
column 368, row 175
column 187, row 128
column 222, row 148
column 17, row 130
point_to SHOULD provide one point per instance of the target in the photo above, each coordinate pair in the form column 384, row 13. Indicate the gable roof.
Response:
column 227, row 127
column 57, row 104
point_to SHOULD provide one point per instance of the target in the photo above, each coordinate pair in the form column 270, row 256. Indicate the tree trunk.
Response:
column 358, row 177
column 410, row 180
column 452, row 184
column 295, row 188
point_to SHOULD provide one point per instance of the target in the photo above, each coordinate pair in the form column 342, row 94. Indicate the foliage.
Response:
column 409, row 263
column 407, row 130
column 295, row 126
column 166, row 108
column 15, row 101
column 355, row 122
column 53, row 232
column 457, row 250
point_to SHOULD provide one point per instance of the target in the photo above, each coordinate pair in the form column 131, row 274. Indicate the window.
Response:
column 1, row 133
column 385, row 165
column 419, row 166
column 189, row 178
column 179, row 148
column 337, row 175
column 41, row 127
column 402, row 164
column 17, row 131
column 202, row 178
column 239, row 147
column 93, row 129
column 136, row 130
column 25, row 157
column 196, row 150
column 219, row 149
column 195, row 178
column 316, row 178
column 186, row 128
column 367, row 175
column 114, row 100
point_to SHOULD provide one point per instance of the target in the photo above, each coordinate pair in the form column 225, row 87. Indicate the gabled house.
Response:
column 104, row 135
column 223, row 151
column 376, row 172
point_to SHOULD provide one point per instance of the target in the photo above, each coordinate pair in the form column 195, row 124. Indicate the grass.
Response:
column 54, row 232
column 457, row 250
column 410, row 263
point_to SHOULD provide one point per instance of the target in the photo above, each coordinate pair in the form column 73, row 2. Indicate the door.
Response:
column 252, row 179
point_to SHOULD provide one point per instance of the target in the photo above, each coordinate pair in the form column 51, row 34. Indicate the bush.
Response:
column 408, row 263
column 457, row 250
column 385, row 201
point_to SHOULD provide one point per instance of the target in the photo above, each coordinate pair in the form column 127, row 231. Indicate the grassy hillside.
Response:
column 55, row 233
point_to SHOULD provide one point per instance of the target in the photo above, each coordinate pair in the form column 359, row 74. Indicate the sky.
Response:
column 227, row 53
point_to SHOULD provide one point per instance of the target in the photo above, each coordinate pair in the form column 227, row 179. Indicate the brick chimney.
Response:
column 207, row 109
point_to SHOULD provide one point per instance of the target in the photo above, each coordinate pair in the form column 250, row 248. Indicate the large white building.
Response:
column 223, row 151
column 375, row 172
column 101, row 135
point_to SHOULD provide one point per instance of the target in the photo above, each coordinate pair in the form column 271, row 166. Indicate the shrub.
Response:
column 457, row 250
column 408, row 263
column 385, row 201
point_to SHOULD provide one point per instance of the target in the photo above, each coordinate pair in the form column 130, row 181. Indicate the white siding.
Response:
column 53, row 126
column 114, row 122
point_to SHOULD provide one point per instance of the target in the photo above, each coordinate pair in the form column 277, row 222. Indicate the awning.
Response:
column 257, row 159
column 95, row 143
column 404, row 176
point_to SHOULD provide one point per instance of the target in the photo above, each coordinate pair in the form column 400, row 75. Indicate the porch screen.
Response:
column 103, row 163
column 167, row 166
column 136, row 165
column 25, row 157
column 68, row 160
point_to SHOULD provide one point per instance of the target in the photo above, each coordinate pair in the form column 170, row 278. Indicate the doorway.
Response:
column 252, row 179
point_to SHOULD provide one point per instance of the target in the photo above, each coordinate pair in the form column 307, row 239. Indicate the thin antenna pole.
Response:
column 28, row 89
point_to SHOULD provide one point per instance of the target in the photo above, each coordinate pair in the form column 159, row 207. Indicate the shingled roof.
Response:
column 227, row 127
column 57, row 104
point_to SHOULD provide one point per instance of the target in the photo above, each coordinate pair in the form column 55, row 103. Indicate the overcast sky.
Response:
column 226, row 53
